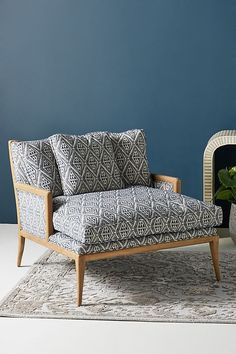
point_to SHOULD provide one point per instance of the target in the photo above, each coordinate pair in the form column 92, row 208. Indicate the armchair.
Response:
column 40, row 213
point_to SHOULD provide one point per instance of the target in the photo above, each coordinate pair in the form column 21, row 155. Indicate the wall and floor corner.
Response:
column 166, row 66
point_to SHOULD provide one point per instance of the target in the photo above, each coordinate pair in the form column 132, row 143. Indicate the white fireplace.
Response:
column 217, row 141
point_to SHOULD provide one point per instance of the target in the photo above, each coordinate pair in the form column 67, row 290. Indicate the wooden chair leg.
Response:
column 214, row 246
column 80, row 267
column 21, row 246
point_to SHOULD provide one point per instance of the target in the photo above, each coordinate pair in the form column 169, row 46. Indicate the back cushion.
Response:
column 34, row 163
column 131, row 157
column 86, row 163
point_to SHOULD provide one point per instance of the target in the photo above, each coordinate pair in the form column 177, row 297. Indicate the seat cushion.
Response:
column 131, row 157
column 130, row 213
column 69, row 243
column 34, row 163
column 86, row 163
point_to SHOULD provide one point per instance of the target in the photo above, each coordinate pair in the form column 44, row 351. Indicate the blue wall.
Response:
column 167, row 66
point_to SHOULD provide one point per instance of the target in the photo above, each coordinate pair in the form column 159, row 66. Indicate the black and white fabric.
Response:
column 69, row 243
column 86, row 163
column 34, row 163
column 131, row 157
column 32, row 213
column 130, row 213
column 165, row 186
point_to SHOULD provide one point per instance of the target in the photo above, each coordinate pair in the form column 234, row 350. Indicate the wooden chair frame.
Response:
column 80, row 260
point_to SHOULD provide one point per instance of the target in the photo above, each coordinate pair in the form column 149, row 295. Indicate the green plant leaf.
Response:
column 232, row 171
column 225, row 178
column 221, row 188
column 234, row 181
column 225, row 195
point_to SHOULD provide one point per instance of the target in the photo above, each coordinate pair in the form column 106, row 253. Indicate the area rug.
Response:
column 167, row 286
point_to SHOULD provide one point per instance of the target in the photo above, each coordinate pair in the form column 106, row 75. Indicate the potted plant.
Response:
column 227, row 191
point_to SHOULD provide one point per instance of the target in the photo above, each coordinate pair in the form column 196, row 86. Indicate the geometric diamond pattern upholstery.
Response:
column 131, row 157
column 86, row 163
column 35, row 164
column 133, row 212
column 108, row 202
column 32, row 213
column 69, row 243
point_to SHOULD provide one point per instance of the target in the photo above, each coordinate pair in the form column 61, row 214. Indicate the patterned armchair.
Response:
column 92, row 197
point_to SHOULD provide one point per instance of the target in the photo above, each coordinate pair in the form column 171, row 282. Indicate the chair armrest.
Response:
column 34, row 210
column 31, row 189
column 174, row 181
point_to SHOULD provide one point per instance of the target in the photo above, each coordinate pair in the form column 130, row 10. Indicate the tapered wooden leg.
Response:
column 21, row 245
column 214, row 246
column 80, row 267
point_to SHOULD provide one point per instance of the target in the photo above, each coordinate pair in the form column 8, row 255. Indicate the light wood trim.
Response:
column 31, row 189
column 214, row 246
column 148, row 248
column 174, row 180
column 21, row 245
column 120, row 253
column 52, row 246
column 48, row 215
column 80, row 267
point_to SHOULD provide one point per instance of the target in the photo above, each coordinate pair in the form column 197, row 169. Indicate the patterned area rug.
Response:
column 169, row 286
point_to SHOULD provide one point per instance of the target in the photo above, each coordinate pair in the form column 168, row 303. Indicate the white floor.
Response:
column 31, row 336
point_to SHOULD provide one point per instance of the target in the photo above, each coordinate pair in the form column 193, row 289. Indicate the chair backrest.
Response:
column 33, row 163
column 74, row 164
column 131, row 156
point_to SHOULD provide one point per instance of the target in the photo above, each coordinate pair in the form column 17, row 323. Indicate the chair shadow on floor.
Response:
column 140, row 280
